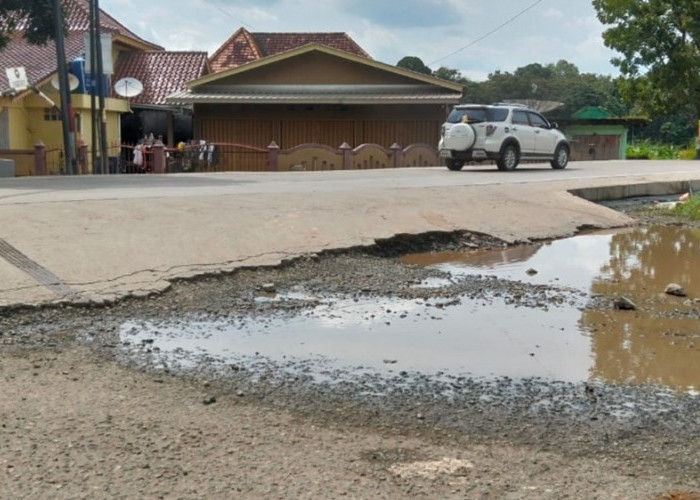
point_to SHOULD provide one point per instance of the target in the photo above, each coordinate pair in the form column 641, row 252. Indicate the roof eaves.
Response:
column 310, row 98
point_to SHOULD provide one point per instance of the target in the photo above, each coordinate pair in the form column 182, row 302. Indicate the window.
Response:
column 476, row 115
column 538, row 121
column 520, row 118
column 52, row 115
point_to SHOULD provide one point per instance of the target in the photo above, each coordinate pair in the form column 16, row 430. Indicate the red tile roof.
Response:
column 244, row 47
column 40, row 61
column 162, row 73
column 78, row 19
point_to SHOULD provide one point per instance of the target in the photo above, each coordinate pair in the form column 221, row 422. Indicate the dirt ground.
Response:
column 80, row 418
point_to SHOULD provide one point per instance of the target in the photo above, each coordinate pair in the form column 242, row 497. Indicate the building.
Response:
column 28, row 118
column 312, row 88
column 596, row 134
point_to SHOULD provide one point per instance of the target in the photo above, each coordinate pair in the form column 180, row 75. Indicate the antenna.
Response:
column 128, row 87
column 73, row 82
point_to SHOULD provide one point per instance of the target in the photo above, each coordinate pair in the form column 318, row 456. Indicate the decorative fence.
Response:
column 224, row 157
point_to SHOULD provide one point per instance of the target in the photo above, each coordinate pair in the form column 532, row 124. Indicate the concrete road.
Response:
column 99, row 238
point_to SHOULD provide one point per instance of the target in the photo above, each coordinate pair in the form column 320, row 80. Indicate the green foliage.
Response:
column 35, row 15
column 690, row 208
column 675, row 128
column 560, row 82
column 450, row 74
column 660, row 53
column 647, row 150
column 414, row 63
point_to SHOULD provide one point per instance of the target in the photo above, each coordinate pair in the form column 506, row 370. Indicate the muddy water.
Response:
column 659, row 343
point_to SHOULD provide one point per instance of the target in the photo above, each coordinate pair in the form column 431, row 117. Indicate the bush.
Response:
column 647, row 150
column 690, row 208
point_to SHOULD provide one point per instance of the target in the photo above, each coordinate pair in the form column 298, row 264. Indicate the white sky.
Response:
column 440, row 32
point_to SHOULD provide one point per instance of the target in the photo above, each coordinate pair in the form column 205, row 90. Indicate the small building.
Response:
column 596, row 134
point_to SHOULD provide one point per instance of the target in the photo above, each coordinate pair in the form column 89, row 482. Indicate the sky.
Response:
column 476, row 37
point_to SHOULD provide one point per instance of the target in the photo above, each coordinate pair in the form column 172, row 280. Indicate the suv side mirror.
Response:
column 553, row 125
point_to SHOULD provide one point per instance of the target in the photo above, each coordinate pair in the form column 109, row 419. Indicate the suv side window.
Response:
column 499, row 114
column 537, row 120
column 520, row 117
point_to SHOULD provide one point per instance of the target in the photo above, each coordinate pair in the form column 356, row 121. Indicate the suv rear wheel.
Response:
column 454, row 164
column 509, row 157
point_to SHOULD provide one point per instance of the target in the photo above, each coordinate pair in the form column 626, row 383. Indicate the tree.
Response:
column 414, row 63
column 660, row 45
column 35, row 18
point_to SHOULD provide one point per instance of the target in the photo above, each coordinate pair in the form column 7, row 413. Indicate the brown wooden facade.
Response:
column 291, row 125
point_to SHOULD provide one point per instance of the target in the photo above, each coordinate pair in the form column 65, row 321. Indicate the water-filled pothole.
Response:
column 658, row 343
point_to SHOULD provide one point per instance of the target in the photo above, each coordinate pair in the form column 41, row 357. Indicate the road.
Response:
column 51, row 189
column 100, row 238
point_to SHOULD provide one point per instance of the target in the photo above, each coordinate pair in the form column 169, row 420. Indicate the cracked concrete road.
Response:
column 99, row 238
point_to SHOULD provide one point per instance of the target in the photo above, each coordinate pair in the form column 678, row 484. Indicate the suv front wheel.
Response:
column 561, row 157
column 509, row 157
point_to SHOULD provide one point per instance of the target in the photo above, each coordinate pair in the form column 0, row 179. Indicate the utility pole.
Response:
column 66, row 105
column 96, row 169
column 104, row 153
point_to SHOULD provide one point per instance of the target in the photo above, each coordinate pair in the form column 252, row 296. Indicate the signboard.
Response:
column 17, row 78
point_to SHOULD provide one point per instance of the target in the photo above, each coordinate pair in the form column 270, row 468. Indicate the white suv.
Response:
column 506, row 133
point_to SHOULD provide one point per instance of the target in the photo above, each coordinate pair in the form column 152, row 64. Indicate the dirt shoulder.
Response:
column 77, row 426
column 79, row 419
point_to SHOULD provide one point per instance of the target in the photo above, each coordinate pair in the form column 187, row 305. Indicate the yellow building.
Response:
column 27, row 116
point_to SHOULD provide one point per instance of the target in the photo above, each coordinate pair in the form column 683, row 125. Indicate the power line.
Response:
column 510, row 20
column 223, row 11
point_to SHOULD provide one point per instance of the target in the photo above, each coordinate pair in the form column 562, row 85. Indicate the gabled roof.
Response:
column 414, row 87
column 244, row 47
column 161, row 73
column 40, row 61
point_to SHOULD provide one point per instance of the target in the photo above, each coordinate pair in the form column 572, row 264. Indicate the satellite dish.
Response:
column 128, row 87
column 73, row 82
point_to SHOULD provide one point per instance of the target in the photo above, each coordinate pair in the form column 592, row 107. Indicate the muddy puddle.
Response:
column 656, row 344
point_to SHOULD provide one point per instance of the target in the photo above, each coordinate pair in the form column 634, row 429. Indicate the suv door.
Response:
column 523, row 131
column 545, row 140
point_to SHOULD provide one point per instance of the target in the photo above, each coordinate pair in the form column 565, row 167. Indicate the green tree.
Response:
column 414, row 63
column 659, row 43
column 33, row 17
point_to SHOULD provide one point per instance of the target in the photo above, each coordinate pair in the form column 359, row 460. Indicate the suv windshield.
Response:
column 475, row 115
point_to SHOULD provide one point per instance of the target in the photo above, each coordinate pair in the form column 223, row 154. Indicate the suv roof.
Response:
column 494, row 105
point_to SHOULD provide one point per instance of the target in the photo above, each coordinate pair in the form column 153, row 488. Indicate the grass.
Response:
column 690, row 208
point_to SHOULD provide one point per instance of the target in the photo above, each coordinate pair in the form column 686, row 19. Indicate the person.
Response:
column 138, row 156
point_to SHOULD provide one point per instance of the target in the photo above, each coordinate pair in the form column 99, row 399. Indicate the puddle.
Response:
column 657, row 344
